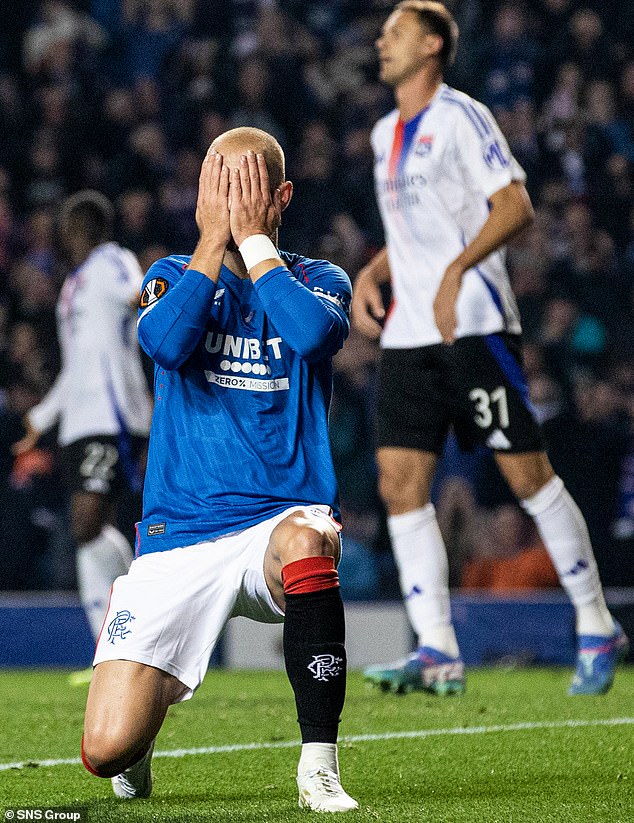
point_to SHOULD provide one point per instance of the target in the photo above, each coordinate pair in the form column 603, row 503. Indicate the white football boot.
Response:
column 318, row 780
column 137, row 780
column 320, row 790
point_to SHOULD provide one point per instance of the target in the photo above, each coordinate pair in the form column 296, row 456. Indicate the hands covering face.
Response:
column 236, row 202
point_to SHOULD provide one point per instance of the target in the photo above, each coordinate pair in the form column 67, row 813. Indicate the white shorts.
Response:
column 169, row 610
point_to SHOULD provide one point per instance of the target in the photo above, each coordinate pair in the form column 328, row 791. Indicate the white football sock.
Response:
column 421, row 557
column 318, row 755
column 99, row 562
column 565, row 534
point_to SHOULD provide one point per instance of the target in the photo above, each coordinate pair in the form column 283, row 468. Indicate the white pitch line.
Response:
column 356, row 738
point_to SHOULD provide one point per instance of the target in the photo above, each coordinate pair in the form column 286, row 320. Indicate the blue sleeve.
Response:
column 314, row 319
column 174, row 312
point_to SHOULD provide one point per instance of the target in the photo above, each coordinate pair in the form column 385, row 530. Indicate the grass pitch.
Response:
column 514, row 749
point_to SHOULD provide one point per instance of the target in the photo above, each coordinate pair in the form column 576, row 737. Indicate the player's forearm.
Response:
column 47, row 412
column 170, row 329
column 264, row 268
column 207, row 258
column 378, row 269
column 310, row 326
column 511, row 211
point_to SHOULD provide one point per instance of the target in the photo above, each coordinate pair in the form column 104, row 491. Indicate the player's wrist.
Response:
column 369, row 275
column 211, row 243
column 207, row 257
column 456, row 270
column 256, row 248
column 375, row 273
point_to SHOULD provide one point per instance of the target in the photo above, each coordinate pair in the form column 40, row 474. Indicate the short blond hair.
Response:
column 248, row 137
column 439, row 20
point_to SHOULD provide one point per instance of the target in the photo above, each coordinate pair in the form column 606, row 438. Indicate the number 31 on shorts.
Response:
column 483, row 401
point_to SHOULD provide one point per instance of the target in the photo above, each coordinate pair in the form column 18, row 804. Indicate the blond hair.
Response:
column 247, row 137
column 439, row 20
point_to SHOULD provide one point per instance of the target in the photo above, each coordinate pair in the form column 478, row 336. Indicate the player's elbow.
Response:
column 320, row 341
column 310, row 350
column 167, row 357
column 521, row 205
column 526, row 213
column 514, row 204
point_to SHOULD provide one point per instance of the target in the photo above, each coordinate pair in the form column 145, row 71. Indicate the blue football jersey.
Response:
column 242, row 385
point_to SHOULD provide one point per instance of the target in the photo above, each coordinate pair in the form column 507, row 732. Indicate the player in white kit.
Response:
column 100, row 398
column 451, row 195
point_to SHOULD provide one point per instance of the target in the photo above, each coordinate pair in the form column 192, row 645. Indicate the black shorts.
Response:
column 104, row 464
column 477, row 384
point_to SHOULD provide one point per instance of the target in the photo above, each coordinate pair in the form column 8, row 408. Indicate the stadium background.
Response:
column 126, row 95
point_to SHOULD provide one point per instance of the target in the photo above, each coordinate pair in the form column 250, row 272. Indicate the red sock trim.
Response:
column 86, row 762
column 310, row 574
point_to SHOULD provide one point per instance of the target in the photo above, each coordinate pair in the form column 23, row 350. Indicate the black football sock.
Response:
column 315, row 657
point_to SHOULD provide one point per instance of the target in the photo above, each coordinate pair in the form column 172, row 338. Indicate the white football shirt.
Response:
column 434, row 175
column 101, row 388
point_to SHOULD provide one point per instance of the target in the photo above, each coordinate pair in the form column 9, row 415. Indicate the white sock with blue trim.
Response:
column 565, row 534
column 421, row 558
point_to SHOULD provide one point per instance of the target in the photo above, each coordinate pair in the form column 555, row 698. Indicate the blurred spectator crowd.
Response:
column 125, row 96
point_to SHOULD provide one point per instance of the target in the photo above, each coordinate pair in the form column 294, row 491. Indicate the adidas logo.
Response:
column 498, row 440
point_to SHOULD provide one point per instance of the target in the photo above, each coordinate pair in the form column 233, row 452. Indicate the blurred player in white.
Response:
column 100, row 398
column 451, row 195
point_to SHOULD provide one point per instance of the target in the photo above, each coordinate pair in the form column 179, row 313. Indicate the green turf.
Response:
column 553, row 775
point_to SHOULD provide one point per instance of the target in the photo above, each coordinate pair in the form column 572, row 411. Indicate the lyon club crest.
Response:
column 424, row 145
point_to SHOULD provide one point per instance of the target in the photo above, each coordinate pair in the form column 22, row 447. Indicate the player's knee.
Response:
column 105, row 753
column 532, row 483
column 300, row 541
column 388, row 489
column 528, row 475
column 101, row 754
column 403, row 486
column 398, row 491
column 84, row 529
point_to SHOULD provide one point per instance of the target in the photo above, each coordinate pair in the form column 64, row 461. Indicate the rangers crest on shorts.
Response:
column 118, row 626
